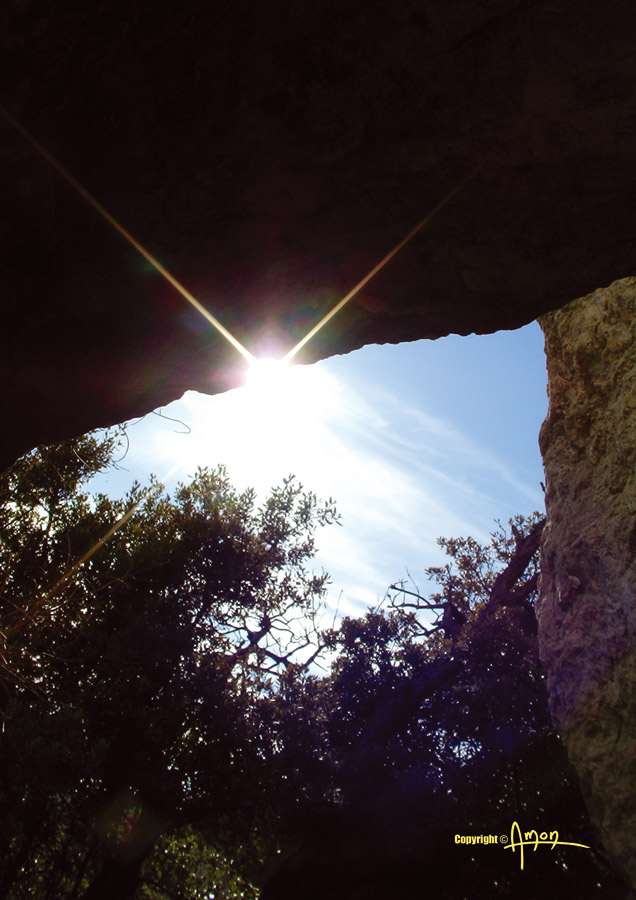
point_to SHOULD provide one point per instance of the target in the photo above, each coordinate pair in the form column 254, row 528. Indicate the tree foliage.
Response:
column 130, row 681
column 439, row 725
column 165, row 734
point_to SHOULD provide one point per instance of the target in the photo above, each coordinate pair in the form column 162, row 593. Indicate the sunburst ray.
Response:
column 185, row 293
column 385, row 259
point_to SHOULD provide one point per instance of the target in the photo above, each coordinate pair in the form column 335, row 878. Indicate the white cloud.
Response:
column 400, row 477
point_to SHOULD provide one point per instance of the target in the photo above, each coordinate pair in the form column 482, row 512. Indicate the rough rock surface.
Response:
column 269, row 154
column 587, row 604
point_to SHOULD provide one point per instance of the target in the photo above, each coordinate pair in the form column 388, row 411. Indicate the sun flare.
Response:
column 291, row 398
column 267, row 375
column 284, row 403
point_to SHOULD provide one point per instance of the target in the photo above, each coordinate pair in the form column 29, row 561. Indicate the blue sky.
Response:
column 412, row 441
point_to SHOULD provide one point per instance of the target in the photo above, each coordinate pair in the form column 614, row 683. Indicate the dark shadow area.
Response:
column 165, row 733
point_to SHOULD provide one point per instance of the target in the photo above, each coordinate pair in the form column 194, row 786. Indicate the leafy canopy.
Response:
column 129, row 681
column 164, row 733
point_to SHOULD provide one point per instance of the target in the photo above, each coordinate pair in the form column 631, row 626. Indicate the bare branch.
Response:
column 405, row 604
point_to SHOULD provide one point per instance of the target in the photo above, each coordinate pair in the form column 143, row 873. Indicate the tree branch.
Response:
column 397, row 710
column 402, row 703
column 503, row 591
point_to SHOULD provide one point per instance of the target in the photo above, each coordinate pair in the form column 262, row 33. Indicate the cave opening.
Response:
column 413, row 441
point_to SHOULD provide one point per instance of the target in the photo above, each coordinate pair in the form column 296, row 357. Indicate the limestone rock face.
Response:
column 587, row 604
column 269, row 154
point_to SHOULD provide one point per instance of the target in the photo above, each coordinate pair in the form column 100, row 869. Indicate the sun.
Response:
column 267, row 376
column 286, row 396
column 283, row 401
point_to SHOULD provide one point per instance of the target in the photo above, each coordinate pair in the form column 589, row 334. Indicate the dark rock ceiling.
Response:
column 269, row 154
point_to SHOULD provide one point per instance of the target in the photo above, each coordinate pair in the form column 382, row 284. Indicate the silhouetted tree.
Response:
column 164, row 733
column 439, row 725
column 129, row 681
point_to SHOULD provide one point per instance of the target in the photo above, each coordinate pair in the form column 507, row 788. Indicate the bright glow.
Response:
column 284, row 404
column 267, row 376
column 396, row 435
column 39, row 148
column 303, row 420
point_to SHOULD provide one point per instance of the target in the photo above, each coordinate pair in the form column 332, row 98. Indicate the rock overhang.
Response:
column 269, row 156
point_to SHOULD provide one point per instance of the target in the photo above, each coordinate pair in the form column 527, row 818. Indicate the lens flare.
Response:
column 52, row 161
column 185, row 293
column 266, row 375
column 385, row 259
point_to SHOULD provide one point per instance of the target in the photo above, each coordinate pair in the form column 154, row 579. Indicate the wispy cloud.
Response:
column 400, row 476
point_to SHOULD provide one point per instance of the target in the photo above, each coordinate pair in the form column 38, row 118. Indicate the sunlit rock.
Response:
column 587, row 605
